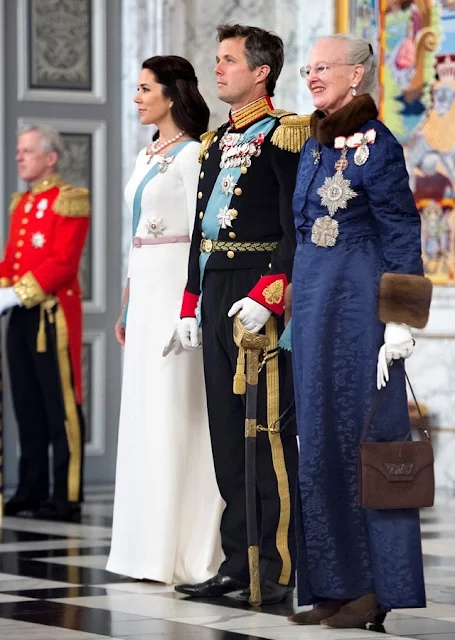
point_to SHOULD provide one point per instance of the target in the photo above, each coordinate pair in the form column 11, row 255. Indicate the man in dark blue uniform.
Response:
column 241, row 262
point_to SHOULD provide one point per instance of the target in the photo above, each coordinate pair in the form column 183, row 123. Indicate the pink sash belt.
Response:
column 138, row 242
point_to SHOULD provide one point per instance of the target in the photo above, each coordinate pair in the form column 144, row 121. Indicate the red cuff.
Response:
column 189, row 305
column 269, row 292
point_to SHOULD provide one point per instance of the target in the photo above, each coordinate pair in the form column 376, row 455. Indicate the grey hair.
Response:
column 360, row 51
column 50, row 137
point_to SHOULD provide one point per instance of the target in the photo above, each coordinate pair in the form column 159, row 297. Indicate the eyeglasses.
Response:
column 322, row 67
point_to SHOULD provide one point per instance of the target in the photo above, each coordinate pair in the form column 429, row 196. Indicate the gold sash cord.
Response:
column 73, row 432
column 279, row 465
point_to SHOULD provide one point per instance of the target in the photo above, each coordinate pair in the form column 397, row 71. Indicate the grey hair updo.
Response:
column 360, row 51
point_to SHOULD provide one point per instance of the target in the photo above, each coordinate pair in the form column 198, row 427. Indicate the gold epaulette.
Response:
column 207, row 139
column 15, row 199
column 292, row 133
column 73, row 202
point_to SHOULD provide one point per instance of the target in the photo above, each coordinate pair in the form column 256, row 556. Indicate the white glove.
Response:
column 188, row 332
column 252, row 315
column 398, row 343
column 8, row 299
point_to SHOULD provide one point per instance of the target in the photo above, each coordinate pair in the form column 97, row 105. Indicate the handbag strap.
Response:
column 421, row 427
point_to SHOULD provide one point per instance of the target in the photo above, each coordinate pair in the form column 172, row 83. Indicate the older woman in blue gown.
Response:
column 357, row 227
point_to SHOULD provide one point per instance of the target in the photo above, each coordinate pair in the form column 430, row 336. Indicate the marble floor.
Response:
column 54, row 586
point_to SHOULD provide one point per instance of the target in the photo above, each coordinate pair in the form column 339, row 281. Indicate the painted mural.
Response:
column 415, row 44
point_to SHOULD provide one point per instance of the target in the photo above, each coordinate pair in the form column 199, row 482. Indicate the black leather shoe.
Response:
column 216, row 586
column 271, row 593
column 17, row 505
column 60, row 512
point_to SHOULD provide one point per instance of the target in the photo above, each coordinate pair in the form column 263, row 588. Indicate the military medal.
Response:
column 335, row 194
column 361, row 154
column 226, row 216
column 38, row 240
column 227, row 185
column 316, row 153
column 360, row 142
column 237, row 149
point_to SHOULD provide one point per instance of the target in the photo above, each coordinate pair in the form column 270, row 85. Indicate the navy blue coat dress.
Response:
column 346, row 551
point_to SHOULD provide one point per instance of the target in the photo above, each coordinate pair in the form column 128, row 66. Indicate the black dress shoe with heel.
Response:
column 59, row 511
column 219, row 585
column 271, row 593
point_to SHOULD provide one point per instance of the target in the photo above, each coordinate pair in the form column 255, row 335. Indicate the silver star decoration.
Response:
column 225, row 217
column 335, row 193
column 155, row 226
column 227, row 185
column 38, row 240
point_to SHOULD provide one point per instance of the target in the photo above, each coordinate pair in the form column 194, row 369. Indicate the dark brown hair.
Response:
column 261, row 47
column 178, row 79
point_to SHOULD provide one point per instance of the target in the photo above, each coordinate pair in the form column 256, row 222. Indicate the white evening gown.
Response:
column 167, row 506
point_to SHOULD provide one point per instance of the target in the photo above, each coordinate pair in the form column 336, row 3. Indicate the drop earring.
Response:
column 354, row 90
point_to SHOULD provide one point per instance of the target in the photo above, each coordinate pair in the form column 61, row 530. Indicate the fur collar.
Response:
column 343, row 122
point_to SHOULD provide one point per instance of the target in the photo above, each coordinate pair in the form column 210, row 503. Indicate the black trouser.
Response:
column 40, row 413
column 276, row 482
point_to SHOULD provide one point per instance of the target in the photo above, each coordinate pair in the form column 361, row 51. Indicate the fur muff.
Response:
column 405, row 299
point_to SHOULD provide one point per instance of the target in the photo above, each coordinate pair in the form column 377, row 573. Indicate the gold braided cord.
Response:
column 207, row 140
column 207, row 246
column 72, row 426
column 15, row 199
column 292, row 133
column 73, row 202
column 279, row 464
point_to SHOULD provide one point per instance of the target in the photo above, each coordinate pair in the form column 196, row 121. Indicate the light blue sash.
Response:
column 137, row 201
column 219, row 199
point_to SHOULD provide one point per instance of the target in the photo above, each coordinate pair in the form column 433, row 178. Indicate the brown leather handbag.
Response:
column 396, row 475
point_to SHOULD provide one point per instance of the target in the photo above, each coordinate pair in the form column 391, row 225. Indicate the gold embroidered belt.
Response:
column 207, row 246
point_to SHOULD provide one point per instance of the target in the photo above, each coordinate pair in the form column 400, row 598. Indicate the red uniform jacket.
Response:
column 49, row 225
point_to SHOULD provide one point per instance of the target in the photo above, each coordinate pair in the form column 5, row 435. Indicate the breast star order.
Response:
column 335, row 193
column 38, row 240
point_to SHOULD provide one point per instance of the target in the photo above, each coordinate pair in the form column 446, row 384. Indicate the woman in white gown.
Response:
column 167, row 507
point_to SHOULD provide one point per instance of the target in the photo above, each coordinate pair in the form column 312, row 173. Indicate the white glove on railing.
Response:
column 188, row 332
column 398, row 343
column 8, row 299
column 252, row 315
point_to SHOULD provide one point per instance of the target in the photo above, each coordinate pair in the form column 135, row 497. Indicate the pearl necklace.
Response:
column 154, row 148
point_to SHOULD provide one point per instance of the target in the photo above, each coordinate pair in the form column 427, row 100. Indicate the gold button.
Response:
column 203, row 234
column 206, row 156
column 199, row 195
column 201, row 215
column 69, row 292
column 201, row 175
column 230, row 254
column 234, row 213
column 215, row 138
column 22, row 232
column 20, row 243
column 270, row 265
column 18, row 254
column 243, row 170
column 16, row 266
column 238, row 191
column 15, row 277
column 232, row 234
column 25, row 220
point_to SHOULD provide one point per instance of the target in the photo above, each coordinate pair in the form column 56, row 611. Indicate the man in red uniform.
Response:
column 39, row 282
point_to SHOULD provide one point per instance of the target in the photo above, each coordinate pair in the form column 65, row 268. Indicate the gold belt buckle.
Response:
column 208, row 246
